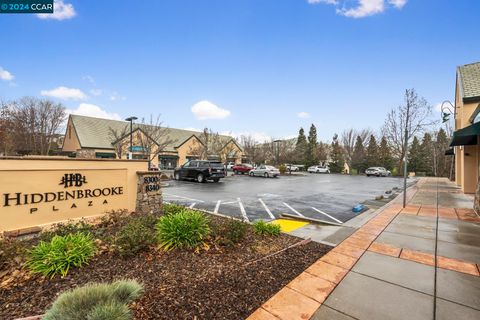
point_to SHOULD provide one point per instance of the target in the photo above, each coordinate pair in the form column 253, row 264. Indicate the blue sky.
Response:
column 264, row 67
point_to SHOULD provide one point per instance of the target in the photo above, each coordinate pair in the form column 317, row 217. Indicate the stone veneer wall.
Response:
column 149, row 192
column 86, row 154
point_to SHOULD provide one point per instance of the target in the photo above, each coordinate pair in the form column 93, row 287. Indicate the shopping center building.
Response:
column 467, row 127
column 88, row 137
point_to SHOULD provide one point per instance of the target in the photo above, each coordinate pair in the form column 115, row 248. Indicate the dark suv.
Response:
column 200, row 170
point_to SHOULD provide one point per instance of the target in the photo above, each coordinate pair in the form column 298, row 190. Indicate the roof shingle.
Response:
column 470, row 80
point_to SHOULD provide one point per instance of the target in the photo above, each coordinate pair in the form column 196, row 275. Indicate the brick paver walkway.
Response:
column 399, row 265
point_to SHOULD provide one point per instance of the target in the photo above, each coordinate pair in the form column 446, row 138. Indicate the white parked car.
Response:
column 264, row 171
column 229, row 166
column 378, row 172
column 318, row 169
column 292, row 167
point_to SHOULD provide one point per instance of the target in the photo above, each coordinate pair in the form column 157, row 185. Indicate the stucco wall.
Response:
column 232, row 148
column 470, row 169
column 466, row 157
column 189, row 148
column 71, row 142
column 33, row 191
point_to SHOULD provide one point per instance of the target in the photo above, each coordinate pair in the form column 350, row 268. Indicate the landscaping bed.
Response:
column 220, row 280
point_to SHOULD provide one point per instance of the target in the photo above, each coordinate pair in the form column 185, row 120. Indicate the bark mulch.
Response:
column 213, row 284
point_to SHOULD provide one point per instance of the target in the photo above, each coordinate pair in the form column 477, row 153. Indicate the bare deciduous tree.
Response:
column 251, row 147
column 154, row 137
column 419, row 120
column 348, row 139
column 117, row 136
column 33, row 124
column 278, row 151
column 6, row 126
column 323, row 151
column 210, row 145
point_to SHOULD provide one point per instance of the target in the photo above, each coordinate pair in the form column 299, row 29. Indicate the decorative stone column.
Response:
column 149, row 192
column 86, row 154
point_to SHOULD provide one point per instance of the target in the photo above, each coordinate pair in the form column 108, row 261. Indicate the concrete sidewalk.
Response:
column 421, row 262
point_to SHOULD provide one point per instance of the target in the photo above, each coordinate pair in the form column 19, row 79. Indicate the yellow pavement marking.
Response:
column 289, row 225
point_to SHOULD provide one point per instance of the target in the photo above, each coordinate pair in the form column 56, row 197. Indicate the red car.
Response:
column 242, row 168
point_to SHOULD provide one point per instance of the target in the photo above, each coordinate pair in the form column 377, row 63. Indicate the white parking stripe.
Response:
column 320, row 211
column 295, row 211
column 242, row 209
column 192, row 205
column 172, row 195
column 266, row 209
column 230, row 202
column 217, row 206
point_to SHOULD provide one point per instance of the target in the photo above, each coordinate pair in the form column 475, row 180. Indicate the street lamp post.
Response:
column 277, row 143
column 131, row 119
column 405, row 161
column 445, row 115
column 445, row 119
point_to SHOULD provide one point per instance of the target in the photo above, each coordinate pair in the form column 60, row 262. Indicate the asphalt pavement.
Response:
column 328, row 197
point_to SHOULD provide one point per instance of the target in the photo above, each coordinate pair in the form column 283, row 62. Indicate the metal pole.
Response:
column 131, row 138
column 278, row 153
column 405, row 161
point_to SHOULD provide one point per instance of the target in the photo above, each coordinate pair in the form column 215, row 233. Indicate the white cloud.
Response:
column 91, row 110
column 5, row 75
column 365, row 8
column 303, row 114
column 61, row 11
column 323, row 1
column 398, row 3
column 204, row 110
column 362, row 8
column 64, row 93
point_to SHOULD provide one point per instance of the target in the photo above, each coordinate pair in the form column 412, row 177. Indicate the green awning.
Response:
column 466, row 136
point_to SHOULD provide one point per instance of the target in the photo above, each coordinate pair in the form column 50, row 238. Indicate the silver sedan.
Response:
column 264, row 171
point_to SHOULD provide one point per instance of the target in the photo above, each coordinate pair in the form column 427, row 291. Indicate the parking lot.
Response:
column 327, row 197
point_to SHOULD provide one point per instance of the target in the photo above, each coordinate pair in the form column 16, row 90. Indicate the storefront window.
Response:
column 105, row 155
column 167, row 162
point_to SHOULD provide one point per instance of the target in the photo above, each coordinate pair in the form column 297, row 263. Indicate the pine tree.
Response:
column 301, row 147
column 373, row 159
column 385, row 155
column 337, row 162
column 415, row 157
column 311, row 154
column 359, row 157
column 443, row 162
column 428, row 152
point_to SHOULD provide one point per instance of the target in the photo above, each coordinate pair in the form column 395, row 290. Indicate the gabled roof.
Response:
column 469, row 79
column 127, row 135
column 95, row 132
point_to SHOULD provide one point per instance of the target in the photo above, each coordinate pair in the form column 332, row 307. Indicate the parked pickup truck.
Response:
column 200, row 170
